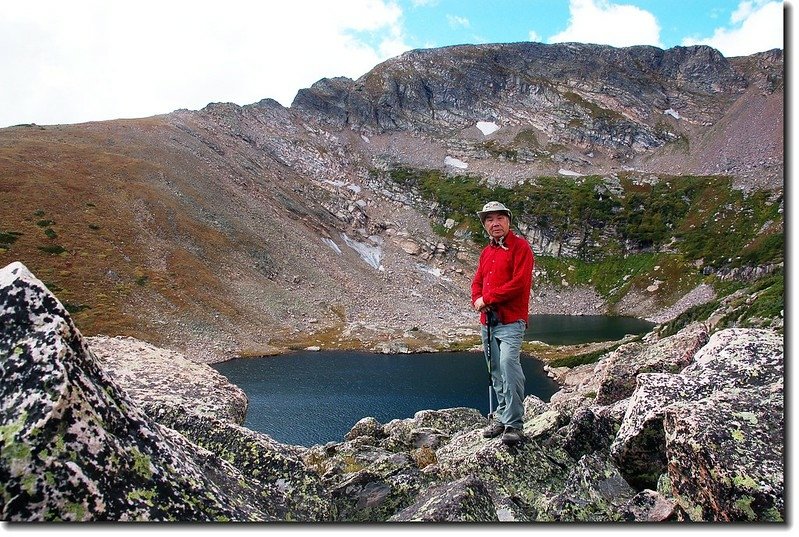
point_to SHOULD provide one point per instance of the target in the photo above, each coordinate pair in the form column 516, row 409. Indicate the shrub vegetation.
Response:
column 696, row 217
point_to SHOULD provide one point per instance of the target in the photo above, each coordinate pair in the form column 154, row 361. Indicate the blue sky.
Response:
column 87, row 60
column 443, row 22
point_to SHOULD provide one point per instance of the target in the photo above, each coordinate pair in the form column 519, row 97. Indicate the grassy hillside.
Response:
column 123, row 222
column 67, row 214
column 636, row 229
column 700, row 217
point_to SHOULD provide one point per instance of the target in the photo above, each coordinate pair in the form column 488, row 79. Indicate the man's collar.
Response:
column 501, row 241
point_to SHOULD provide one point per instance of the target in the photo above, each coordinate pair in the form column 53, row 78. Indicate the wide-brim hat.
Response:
column 493, row 207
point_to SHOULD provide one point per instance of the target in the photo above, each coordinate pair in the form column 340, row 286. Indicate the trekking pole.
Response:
column 490, row 321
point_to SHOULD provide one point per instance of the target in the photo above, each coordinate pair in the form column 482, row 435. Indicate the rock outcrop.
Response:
column 552, row 87
column 76, row 447
column 684, row 428
column 160, row 379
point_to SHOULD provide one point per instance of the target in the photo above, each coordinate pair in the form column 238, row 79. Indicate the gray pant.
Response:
column 506, row 371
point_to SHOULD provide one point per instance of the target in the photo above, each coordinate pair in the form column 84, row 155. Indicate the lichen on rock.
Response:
column 687, row 428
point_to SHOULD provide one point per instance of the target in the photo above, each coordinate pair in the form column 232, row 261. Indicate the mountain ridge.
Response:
column 246, row 229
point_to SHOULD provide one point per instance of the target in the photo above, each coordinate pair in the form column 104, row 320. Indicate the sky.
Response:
column 89, row 60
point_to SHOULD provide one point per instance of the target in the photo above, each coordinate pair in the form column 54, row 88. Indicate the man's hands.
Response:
column 479, row 304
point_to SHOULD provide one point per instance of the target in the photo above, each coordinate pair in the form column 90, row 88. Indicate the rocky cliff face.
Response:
column 588, row 108
column 688, row 427
column 588, row 95
column 249, row 229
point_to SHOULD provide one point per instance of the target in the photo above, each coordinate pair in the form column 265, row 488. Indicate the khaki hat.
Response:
column 493, row 207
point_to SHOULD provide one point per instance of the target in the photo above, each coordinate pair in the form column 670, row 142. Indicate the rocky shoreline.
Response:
column 688, row 427
column 439, row 335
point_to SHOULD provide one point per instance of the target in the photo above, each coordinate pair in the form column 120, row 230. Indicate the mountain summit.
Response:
column 346, row 219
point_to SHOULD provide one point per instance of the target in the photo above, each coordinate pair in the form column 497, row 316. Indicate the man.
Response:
column 502, row 284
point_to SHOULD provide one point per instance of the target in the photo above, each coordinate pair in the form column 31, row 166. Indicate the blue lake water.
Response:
column 575, row 329
column 309, row 398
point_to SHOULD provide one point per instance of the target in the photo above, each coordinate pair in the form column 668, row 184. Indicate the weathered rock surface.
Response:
column 668, row 355
column 463, row 500
column 445, row 88
column 76, row 447
column 203, row 406
column 744, row 364
column 162, row 378
column 690, row 428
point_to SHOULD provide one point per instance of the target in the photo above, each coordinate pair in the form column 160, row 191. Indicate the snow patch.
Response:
column 672, row 112
column 455, row 163
column 487, row 127
column 339, row 184
column 437, row 272
column 333, row 245
column 434, row 271
column 564, row 171
column 369, row 253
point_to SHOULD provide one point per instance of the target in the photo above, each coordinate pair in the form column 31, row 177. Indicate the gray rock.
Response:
column 716, row 428
column 668, row 355
column 739, row 358
column 449, row 420
column 75, row 447
column 725, row 456
column 372, row 496
column 463, row 500
column 590, row 429
column 154, row 377
column 639, row 447
column 368, row 426
column 533, row 406
column 444, row 89
column 413, row 432
column 289, row 489
column 650, row 506
column 526, row 473
column 201, row 404
column 545, row 424
column 593, row 492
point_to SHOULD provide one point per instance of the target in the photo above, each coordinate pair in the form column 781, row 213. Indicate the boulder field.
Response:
column 688, row 427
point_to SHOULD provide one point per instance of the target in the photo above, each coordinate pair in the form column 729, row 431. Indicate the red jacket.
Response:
column 504, row 278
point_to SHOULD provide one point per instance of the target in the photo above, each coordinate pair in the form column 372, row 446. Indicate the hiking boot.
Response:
column 493, row 430
column 511, row 436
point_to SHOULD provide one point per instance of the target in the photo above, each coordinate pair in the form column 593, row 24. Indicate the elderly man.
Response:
column 502, row 285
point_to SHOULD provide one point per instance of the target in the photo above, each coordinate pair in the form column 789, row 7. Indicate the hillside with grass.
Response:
column 348, row 219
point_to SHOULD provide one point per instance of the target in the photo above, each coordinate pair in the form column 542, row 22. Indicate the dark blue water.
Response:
column 309, row 398
column 575, row 329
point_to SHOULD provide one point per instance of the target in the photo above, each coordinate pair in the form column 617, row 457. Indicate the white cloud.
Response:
column 82, row 60
column 743, row 11
column 534, row 36
column 456, row 21
column 755, row 26
column 601, row 22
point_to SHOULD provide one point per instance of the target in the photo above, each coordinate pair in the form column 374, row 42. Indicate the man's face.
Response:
column 496, row 224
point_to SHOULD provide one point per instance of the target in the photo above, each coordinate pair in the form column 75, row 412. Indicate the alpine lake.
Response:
column 315, row 397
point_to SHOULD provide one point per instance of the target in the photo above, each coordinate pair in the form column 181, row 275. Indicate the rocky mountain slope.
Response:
column 687, row 427
column 247, row 229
